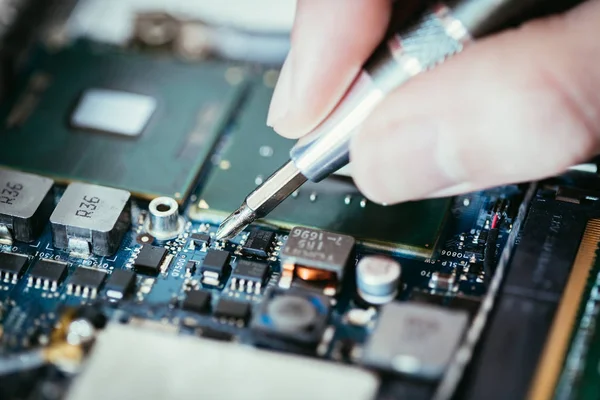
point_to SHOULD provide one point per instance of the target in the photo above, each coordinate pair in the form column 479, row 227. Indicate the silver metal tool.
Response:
column 444, row 30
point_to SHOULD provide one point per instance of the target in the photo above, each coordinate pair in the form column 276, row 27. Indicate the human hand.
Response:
column 516, row 106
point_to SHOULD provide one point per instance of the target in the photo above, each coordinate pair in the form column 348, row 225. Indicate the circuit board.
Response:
column 110, row 270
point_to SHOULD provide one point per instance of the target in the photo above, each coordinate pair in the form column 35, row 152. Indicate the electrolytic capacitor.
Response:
column 377, row 279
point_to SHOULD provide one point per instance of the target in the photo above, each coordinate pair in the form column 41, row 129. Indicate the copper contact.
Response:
column 311, row 274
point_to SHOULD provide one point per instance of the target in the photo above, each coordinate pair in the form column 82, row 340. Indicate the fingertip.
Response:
column 289, row 134
column 328, row 55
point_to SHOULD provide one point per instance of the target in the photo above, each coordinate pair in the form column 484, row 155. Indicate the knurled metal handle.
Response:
column 422, row 45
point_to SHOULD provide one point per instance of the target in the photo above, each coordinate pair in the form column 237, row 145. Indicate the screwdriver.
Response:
column 440, row 32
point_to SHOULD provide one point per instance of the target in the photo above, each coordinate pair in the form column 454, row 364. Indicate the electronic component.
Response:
column 258, row 243
column 25, row 205
column 12, row 266
column 90, row 218
column 249, row 276
column 215, row 266
column 241, row 372
column 150, row 164
column 445, row 281
column 377, row 279
column 85, row 282
column 318, row 249
column 200, row 239
column 529, row 306
column 150, row 259
column 232, row 310
column 359, row 316
column 93, row 314
column 315, row 255
column 415, row 339
column 334, row 204
column 164, row 222
column 190, row 267
column 197, row 301
column 113, row 111
column 291, row 315
column 214, row 334
column 47, row 274
column 120, row 284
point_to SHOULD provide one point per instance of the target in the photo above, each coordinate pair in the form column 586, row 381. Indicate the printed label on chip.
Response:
column 319, row 249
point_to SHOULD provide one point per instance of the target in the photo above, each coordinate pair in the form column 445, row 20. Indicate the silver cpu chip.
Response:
column 113, row 111
column 25, row 204
column 91, row 218
column 415, row 339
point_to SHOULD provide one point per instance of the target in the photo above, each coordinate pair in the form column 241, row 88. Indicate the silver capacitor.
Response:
column 164, row 221
column 377, row 279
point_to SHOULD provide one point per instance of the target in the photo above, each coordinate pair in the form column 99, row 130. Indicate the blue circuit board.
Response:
column 29, row 314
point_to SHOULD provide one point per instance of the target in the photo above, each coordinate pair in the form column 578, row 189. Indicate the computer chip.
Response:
column 415, row 339
column 258, row 243
column 318, row 249
column 162, row 118
column 253, row 152
column 91, row 218
column 12, row 266
column 26, row 202
column 85, row 282
column 150, row 259
column 249, row 276
column 113, row 111
column 120, row 284
column 197, row 301
column 200, row 239
column 216, row 264
column 190, row 267
column 47, row 274
column 232, row 310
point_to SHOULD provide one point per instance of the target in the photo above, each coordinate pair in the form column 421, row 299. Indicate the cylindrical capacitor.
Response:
column 164, row 222
column 377, row 279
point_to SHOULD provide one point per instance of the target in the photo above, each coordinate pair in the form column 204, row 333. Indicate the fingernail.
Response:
column 401, row 164
column 281, row 96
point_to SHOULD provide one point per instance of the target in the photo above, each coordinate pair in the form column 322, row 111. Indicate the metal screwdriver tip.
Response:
column 236, row 222
column 262, row 200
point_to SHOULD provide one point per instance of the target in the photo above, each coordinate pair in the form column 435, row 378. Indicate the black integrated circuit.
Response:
column 258, row 243
column 232, row 310
column 249, row 276
column 12, row 266
column 47, row 274
column 216, row 261
column 120, row 284
column 86, row 282
column 197, row 301
column 190, row 267
column 150, row 259
column 200, row 239
column 215, row 266
column 214, row 334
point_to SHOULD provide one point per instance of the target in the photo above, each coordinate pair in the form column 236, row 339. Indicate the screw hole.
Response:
column 163, row 207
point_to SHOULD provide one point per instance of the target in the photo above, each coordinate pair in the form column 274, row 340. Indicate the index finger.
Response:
column 330, row 42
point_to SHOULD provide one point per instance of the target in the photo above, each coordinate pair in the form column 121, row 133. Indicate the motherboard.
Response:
column 117, row 166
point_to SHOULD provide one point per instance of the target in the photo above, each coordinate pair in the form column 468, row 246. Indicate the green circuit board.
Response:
column 193, row 103
column 252, row 151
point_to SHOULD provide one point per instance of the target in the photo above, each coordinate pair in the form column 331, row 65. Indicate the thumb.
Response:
column 518, row 106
